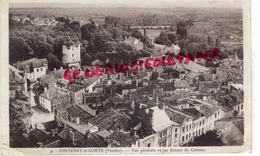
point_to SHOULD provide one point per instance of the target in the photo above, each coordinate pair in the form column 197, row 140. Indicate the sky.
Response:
column 134, row 3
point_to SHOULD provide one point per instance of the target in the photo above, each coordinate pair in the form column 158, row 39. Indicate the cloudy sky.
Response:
column 135, row 3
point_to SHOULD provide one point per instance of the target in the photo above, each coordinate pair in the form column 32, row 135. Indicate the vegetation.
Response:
column 97, row 42
column 210, row 138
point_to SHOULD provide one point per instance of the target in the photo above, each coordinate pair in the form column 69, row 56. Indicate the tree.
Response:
column 54, row 62
column 208, row 139
column 172, row 37
column 16, row 128
column 163, row 39
column 182, row 44
column 61, row 19
column 211, row 41
column 182, row 30
column 190, row 22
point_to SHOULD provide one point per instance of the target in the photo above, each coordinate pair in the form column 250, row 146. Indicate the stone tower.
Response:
column 71, row 55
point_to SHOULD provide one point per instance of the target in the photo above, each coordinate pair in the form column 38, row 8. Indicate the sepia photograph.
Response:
column 137, row 74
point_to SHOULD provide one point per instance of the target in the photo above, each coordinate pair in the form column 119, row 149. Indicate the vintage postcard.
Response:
column 125, row 77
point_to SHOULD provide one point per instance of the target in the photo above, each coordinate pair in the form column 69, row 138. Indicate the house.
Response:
column 181, row 84
column 134, row 42
column 26, row 19
column 127, row 88
column 77, row 115
column 71, row 55
column 184, row 124
column 90, row 82
column 33, row 68
column 69, row 136
column 16, row 79
column 111, row 120
column 159, row 127
column 52, row 97
column 230, row 68
column 40, row 21
column 122, row 139
column 48, row 80
column 237, row 87
column 163, row 89
column 76, row 92
column 232, row 102
column 43, row 139
column 195, row 119
column 208, row 87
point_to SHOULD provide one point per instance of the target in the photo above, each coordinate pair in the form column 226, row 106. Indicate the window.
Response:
column 241, row 106
column 72, row 55
column 200, row 123
column 238, row 108
column 218, row 113
column 169, row 142
column 163, row 133
column 190, row 126
column 215, row 115
column 202, row 130
column 176, row 129
column 183, row 129
column 37, row 70
column 175, row 135
column 182, row 138
column 189, row 136
column 203, row 122
column 199, row 132
column 170, row 131
column 187, row 127
column 163, row 144
column 148, row 145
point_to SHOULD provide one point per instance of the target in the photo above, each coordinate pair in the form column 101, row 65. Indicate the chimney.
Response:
column 172, row 118
column 45, row 89
column 23, row 107
column 87, row 133
column 150, row 115
column 52, row 132
column 72, row 135
column 48, row 95
column 109, row 82
column 77, row 120
column 157, row 98
column 226, row 102
column 55, row 69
